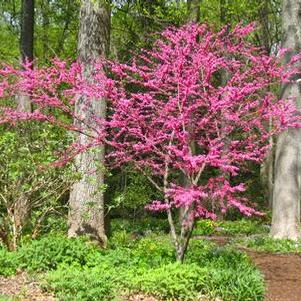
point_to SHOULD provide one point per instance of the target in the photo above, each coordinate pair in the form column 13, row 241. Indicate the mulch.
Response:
column 282, row 274
column 23, row 287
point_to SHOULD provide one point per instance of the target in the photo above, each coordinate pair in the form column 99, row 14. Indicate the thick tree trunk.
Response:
column 27, row 29
column 22, row 209
column 267, row 166
column 26, row 47
column 193, row 9
column 87, row 211
column 286, row 196
column 267, row 176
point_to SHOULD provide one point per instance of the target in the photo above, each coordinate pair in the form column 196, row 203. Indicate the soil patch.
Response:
column 282, row 275
column 22, row 287
column 282, row 272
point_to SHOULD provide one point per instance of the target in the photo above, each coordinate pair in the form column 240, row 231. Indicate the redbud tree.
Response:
column 171, row 116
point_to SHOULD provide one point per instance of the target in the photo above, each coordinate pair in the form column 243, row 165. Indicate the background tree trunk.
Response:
column 26, row 47
column 267, row 167
column 286, row 195
column 193, row 9
column 21, row 211
column 87, row 211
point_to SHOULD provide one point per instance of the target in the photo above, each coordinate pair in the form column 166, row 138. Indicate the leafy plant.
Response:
column 76, row 269
column 237, row 227
column 148, row 266
column 269, row 244
column 48, row 252
column 8, row 262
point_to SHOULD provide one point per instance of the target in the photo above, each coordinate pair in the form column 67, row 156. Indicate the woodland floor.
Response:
column 22, row 287
column 281, row 273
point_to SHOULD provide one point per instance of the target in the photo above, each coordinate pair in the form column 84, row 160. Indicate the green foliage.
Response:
column 153, row 251
column 128, row 192
column 238, row 227
column 48, row 252
column 8, row 262
column 78, row 270
column 120, row 238
column 5, row 298
column 205, row 227
column 148, row 267
column 172, row 281
column 269, row 244
column 74, row 283
column 135, row 22
column 140, row 225
column 28, row 183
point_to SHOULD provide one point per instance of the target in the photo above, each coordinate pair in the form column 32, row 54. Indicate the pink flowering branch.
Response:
column 170, row 115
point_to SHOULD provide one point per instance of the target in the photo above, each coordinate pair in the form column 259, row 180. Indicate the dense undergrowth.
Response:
column 202, row 227
column 75, row 269
column 264, row 243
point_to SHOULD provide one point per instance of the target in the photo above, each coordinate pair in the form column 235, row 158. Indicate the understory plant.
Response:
column 264, row 243
column 31, row 191
column 147, row 266
column 171, row 115
column 75, row 269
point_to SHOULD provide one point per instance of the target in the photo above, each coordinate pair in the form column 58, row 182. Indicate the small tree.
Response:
column 169, row 115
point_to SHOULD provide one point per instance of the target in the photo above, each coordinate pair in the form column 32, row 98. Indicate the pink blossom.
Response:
column 168, row 115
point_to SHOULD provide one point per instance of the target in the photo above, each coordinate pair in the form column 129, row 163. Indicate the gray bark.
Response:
column 26, row 47
column 267, row 166
column 267, row 175
column 286, row 195
column 87, row 210
column 193, row 9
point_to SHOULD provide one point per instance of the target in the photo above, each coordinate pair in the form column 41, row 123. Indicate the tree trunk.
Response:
column 26, row 47
column 193, row 10
column 45, row 10
column 267, row 166
column 22, row 209
column 286, row 195
column 87, row 211
column 267, row 176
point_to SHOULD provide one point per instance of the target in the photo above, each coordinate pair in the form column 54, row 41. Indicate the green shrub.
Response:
column 268, row 244
column 8, row 262
column 200, row 250
column 140, row 225
column 243, row 227
column 204, row 227
column 120, row 238
column 168, row 282
column 6, row 298
column 171, row 281
column 148, row 266
column 49, row 251
column 154, row 250
column 77, row 270
column 243, row 283
column 89, row 284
